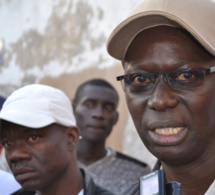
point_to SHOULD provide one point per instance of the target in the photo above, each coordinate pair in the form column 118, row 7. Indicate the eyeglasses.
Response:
column 181, row 79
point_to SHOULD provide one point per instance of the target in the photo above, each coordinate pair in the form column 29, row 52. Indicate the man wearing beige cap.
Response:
column 39, row 134
column 167, row 49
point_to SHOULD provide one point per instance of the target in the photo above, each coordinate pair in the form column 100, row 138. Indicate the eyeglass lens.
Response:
column 177, row 79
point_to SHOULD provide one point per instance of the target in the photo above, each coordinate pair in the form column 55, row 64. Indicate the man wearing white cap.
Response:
column 8, row 184
column 39, row 134
column 167, row 49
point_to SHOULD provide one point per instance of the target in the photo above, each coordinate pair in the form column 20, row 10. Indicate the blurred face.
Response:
column 38, row 158
column 96, row 113
column 176, row 125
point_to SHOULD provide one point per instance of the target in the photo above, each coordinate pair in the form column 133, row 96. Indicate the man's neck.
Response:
column 90, row 152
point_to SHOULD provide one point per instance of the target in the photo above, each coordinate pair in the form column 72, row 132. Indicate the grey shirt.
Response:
column 116, row 171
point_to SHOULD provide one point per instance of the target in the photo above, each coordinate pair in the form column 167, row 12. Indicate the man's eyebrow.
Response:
column 29, row 130
column 175, row 65
column 89, row 99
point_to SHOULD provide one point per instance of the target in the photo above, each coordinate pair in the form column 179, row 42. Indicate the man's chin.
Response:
column 30, row 185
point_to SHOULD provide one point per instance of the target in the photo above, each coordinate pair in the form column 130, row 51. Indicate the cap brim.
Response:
column 25, row 119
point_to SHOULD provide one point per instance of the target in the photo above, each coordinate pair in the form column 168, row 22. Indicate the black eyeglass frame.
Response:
column 165, row 74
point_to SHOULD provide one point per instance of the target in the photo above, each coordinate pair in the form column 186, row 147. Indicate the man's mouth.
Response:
column 168, row 135
column 23, row 174
column 96, row 127
column 169, row 130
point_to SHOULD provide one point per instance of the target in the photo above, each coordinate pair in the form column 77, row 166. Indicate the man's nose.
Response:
column 163, row 96
column 98, row 112
column 18, row 152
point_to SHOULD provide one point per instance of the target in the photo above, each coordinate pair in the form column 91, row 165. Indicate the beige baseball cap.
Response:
column 37, row 106
column 195, row 16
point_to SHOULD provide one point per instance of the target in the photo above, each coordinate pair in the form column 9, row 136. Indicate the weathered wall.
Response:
column 62, row 43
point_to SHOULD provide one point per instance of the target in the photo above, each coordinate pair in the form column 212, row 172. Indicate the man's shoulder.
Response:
column 8, row 184
column 130, row 159
column 101, row 191
column 91, row 188
column 23, row 192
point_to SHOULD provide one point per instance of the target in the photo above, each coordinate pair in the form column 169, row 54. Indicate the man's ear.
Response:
column 73, row 135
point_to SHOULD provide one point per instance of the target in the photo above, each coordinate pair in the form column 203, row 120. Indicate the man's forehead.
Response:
column 14, row 127
column 8, row 128
column 99, row 95
column 94, row 91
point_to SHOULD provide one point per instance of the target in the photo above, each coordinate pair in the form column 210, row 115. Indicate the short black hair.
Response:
column 93, row 82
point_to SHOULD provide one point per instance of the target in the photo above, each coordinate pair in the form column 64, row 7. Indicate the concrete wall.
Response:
column 61, row 43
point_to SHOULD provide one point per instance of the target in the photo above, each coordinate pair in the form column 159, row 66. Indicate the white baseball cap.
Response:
column 195, row 16
column 37, row 106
